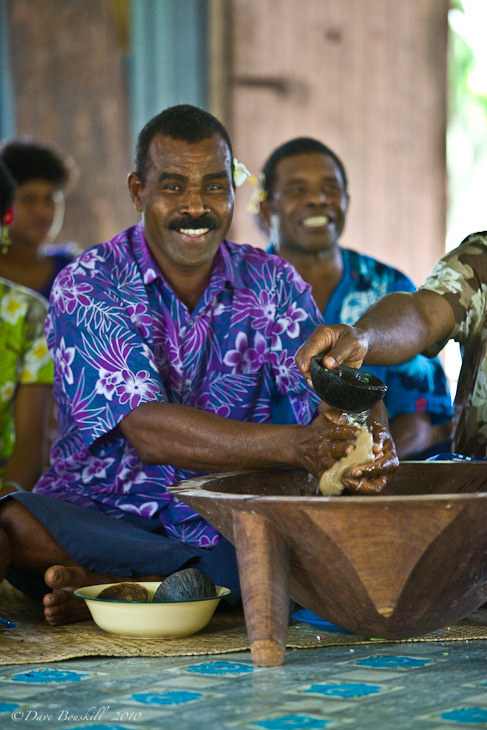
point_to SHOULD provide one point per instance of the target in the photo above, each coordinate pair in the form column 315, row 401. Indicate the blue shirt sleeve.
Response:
column 417, row 386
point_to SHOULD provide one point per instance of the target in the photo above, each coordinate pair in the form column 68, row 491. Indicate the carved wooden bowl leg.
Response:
column 263, row 565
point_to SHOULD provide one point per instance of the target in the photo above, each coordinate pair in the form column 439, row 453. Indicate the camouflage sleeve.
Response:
column 461, row 276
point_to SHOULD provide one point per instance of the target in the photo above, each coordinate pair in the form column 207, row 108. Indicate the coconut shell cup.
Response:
column 348, row 389
column 125, row 592
column 185, row 585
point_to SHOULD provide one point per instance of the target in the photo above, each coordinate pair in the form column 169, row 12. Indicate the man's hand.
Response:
column 338, row 343
column 331, row 439
column 372, row 478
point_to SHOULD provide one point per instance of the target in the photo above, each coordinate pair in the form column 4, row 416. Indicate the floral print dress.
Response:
column 24, row 357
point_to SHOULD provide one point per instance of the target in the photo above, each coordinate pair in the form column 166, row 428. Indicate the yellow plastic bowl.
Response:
column 146, row 620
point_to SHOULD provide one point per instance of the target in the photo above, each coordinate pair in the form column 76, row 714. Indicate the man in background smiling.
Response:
column 304, row 208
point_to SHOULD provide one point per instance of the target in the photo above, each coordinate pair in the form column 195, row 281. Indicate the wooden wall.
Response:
column 367, row 77
column 69, row 81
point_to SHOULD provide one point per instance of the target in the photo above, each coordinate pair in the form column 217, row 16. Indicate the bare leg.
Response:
column 27, row 545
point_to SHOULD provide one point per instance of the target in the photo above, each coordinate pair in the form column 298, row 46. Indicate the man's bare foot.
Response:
column 60, row 606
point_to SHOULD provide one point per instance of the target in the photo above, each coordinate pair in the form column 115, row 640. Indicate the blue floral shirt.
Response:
column 418, row 385
column 119, row 337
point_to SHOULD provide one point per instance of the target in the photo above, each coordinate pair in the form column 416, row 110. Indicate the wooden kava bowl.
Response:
column 394, row 566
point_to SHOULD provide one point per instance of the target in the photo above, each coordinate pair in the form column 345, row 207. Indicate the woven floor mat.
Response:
column 33, row 641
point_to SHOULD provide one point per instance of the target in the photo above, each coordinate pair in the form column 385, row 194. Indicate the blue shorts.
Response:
column 127, row 547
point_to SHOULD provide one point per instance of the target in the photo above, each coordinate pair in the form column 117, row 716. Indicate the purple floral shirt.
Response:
column 119, row 337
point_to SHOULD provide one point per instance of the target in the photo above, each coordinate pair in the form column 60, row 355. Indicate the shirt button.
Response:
column 188, row 382
column 190, row 322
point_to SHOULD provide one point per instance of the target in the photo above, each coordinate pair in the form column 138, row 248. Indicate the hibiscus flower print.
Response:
column 142, row 319
column 96, row 469
column 67, row 293
column 294, row 278
column 291, row 319
column 244, row 359
column 63, row 359
column 87, row 260
column 107, row 382
column 258, row 355
column 148, row 509
column 285, row 371
column 264, row 313
column 257, row 305
column 135, row 388
column 128, row 340
column 237, row 358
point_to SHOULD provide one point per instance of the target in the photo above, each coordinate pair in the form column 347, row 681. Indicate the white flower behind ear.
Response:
column 240, row 173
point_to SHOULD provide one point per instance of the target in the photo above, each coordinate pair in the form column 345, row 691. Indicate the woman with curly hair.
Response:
column 25, row 369
column 41, row 175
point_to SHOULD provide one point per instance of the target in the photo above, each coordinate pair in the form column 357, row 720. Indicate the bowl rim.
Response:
column 221, row 592
column 195, row 487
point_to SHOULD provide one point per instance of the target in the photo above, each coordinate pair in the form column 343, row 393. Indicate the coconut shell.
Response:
column 125, row 592
column 185, row 585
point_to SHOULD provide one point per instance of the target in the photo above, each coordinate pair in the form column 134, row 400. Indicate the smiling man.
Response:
column 168, row 343
column 304, row 211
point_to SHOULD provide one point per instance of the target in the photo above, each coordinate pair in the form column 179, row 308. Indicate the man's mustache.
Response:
column 188, row 222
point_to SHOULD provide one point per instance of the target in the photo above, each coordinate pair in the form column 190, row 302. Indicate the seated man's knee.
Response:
column 4, row 553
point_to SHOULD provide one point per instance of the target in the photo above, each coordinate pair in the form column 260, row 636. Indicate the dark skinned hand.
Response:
column 337, row 441
column 372, row 478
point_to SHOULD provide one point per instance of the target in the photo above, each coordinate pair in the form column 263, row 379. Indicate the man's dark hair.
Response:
column 297, row 146
column 7, row 189
column 29, row 160
column 185, row 122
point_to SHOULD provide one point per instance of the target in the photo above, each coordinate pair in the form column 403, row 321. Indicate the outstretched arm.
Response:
column 166, row 433
column 395, row 329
